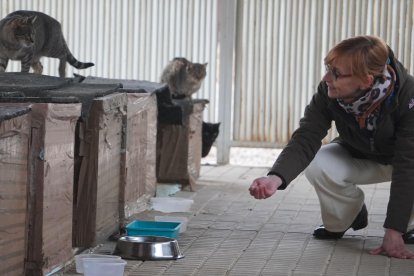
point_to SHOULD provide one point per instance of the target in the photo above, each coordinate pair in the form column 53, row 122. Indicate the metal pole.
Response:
column 226, row 10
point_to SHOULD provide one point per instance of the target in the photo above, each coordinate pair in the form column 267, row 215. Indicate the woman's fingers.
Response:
column 376, row 251
column 256, row 189
column 263, row 187
column 405, row 254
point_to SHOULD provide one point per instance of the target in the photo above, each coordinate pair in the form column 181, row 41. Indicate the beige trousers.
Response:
column 335, row 174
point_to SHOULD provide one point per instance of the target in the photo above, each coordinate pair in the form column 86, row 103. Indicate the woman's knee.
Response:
column 313, row 170
column 325, row 163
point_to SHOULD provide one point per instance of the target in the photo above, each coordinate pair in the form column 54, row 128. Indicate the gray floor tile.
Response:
column 231, row 233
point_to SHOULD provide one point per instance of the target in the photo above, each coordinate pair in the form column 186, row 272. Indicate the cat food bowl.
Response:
column 153, row 228
column 182, row 220
column 148, row 248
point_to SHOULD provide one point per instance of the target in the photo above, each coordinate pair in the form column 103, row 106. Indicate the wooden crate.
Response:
column 75, row 165
column 50, row 179
column 179, row 146
column 139, row 159
column 14, row 140
column 51, row 192
column 97, row 183
column 138, row 177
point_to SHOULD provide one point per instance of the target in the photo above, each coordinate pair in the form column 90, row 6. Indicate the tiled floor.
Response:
column 231, row 233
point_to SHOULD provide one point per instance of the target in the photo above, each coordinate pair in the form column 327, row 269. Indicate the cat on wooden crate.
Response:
column 183, row 77
column 209, row 133
column 29, row 35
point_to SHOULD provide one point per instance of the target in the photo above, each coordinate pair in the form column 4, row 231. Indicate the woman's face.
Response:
column 341, row 83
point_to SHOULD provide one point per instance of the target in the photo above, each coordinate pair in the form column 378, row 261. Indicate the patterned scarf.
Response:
column 366, row 108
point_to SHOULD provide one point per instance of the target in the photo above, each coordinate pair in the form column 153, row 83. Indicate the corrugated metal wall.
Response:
column 132, row 39
column 280, row 45
column 280, row 49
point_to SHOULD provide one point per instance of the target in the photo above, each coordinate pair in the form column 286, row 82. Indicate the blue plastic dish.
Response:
column 153, row 228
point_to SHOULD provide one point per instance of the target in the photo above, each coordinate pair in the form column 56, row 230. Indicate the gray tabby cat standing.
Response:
column 29, row 35
column 183, row 77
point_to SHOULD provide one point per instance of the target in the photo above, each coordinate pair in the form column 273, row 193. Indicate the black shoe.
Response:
column 360, row 222
column 409, row 237
column 323, row 234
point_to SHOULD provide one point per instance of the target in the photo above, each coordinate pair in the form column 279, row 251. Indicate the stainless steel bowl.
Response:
column 148, row 248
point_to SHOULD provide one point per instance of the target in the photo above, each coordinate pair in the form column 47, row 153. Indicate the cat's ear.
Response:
column 17, row 22
column 205, row 64
column 189, row 67
column 32, row 19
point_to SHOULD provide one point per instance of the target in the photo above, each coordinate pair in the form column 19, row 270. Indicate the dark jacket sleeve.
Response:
column 401, row 199
column 306, row 140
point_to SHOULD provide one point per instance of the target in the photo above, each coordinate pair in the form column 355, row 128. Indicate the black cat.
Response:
column 210, row 131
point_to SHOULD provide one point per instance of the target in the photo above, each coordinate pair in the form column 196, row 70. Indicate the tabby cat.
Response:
column 209, row 133
column 183, row 77
column 29, row 35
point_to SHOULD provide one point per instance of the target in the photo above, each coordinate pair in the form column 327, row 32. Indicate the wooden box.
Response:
column 97, row 180
column 14, row 140
column 75, row 155
column 179, row 146
column 138, row 157
column 50, row 184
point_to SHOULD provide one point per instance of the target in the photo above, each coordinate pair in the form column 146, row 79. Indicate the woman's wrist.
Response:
column 276, row 179
column 392, row 231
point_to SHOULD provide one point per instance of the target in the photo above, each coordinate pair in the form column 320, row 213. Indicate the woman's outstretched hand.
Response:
column 264, row 187
column 393, row 246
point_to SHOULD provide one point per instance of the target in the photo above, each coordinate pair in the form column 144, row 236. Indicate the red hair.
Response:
column 367, row 55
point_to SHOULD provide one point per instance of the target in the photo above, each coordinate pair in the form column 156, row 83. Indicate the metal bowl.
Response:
column 148, row 248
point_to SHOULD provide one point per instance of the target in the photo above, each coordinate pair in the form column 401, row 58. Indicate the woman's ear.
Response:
column 367, row 82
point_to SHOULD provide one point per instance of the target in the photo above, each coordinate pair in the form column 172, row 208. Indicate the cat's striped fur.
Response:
column 183, row 77
column 29, row 35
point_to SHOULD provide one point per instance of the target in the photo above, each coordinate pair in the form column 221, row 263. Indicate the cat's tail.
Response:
column 77, row 64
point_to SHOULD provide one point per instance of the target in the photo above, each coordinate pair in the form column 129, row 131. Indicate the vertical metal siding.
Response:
column 280, row 45
column 132, row 39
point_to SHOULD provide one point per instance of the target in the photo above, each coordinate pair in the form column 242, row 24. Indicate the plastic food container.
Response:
column 183, row 220
column 171, row 204
column 103, row 267
column 153, row 228
column 79, row 259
